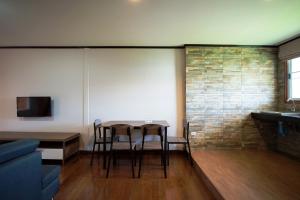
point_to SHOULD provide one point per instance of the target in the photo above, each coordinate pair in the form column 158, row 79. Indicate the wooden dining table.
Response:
column 137, row 124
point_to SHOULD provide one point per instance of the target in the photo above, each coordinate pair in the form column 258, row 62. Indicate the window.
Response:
column 293, row 79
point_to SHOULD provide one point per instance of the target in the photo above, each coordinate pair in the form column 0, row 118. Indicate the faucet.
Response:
column 293, row 106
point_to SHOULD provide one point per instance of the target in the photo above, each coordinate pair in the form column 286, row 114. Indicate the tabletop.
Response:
column 135, row 123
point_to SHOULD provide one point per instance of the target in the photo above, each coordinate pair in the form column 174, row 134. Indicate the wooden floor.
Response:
column 81, row 181
column 250, row 174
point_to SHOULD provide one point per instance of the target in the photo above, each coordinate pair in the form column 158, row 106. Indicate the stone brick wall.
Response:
column 223, row 86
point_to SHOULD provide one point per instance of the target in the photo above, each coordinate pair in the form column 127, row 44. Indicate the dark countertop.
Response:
column 275, row 116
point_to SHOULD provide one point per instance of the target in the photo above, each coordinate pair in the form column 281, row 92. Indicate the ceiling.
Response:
column 147, row 22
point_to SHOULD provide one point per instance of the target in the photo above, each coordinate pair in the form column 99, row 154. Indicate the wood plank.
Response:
column 250, row 174
column 79, row 180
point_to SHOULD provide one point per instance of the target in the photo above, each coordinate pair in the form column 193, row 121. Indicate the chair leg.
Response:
column 190, row 155
column 98, row 153
column 168, row 156
column 165, row 167
column 186, row 151
column 109, row 158
column 140, row 163
column 135, row 156
column 132, row 162
column 162, row 158
column 141, row 157
column 131, row 155
column 165, row 162
column 164, row 152
column 91, row 163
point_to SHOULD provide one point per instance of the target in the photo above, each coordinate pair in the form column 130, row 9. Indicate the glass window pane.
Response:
column 295, row 64
column 294, row 81
column 295, row 75
column 296, row 88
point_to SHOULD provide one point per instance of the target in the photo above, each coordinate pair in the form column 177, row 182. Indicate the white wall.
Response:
column 111, row 84
column 290, row 50
column 48, row 72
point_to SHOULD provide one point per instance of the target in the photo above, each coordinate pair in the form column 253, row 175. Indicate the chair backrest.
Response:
column 186, row 129
column 152, row 129
column 121, row 129
column 97, row 126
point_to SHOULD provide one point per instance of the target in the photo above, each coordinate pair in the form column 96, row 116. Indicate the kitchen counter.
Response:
column 280, row 131
column 277, row 116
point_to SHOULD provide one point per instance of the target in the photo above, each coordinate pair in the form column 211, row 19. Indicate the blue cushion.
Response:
column 49, row 173
column 49, row 192
column 21, row 178
column 11, row 150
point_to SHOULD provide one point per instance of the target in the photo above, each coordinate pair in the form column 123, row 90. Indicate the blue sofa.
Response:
column 22, row 175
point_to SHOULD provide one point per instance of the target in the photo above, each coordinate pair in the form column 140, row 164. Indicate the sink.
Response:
column 292, row 114
column 297, row 114
column 270, row 112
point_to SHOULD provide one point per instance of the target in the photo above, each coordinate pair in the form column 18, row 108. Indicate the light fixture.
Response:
column 134, row 1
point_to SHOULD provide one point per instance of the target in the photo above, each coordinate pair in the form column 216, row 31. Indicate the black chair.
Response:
column 181, row 140
column 116, row 131
column 154, row 130
column 98, row 139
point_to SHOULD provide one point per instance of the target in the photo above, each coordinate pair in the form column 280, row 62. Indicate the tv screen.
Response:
column 33, row 106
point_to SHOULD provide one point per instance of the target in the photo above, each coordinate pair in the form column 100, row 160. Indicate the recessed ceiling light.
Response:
column 134, row 1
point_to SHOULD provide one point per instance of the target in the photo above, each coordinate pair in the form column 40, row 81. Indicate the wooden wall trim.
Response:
column 285, row 65
column 288, row 41
column 91, row 47
column 230, row 45
column 133, row 47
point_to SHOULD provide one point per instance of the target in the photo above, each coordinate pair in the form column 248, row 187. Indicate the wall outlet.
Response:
column 193, row 133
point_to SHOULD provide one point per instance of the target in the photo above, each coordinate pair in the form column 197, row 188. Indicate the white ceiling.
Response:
column 147, row 22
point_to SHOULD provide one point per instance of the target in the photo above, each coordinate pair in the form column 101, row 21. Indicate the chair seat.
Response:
column 155, row 145
column 101, row 140
column 120, row 139
column 122, row 146
column 176, row 140
column 124, row 138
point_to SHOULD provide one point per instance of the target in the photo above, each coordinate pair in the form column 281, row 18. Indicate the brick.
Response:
column 223, row 86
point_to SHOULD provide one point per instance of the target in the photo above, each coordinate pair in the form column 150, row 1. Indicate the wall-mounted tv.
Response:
column 33, row 106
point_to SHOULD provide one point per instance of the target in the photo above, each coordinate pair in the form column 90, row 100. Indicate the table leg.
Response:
column 104, row 147
column 165, row 151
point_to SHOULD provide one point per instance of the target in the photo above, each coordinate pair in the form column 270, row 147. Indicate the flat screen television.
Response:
column 33, row 106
